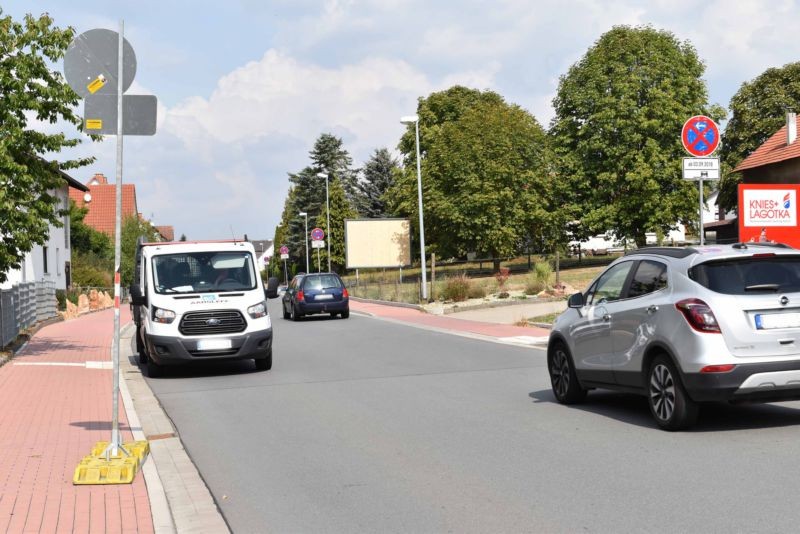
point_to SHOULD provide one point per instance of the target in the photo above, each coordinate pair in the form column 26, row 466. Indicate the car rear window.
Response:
column 325, row 281
column 752, row 275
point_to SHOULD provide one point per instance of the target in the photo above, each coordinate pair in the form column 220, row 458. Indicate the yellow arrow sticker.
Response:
column 94, row 124
column 96, row 84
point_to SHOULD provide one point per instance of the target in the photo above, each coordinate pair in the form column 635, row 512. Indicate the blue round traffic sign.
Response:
column 700, row 136
column 317, row 234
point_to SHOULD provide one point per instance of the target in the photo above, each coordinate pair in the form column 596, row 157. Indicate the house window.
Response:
column 44, row 259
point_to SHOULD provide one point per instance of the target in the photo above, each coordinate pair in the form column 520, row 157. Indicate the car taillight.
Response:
column 300, row 296
column 699, row 315
column 345, row 294
column 718, row 368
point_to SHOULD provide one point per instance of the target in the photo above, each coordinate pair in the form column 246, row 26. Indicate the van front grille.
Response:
column 212, row 322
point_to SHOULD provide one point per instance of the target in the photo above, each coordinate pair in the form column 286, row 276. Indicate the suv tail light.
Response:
column 699, row 315
column 300, row 296
column 345, row 294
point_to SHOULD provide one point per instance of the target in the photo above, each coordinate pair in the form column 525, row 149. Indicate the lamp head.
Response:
column 409, row 119
column 322, row 175
column 87, row 197
column 302, row 214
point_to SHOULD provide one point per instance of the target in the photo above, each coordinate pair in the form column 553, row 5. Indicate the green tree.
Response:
column 619, row 113
column 379, row 174
column 341, row 209
column 132, row 228
column 183, row 237
column 84, row 238
column 758, row 110
column 31, row 90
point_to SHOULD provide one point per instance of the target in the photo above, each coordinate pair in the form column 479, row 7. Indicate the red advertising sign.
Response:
column 768, row 213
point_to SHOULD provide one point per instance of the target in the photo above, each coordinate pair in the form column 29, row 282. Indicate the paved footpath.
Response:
column 503, row 333
column 55, row 404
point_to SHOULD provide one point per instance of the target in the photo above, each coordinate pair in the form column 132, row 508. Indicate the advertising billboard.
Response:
column 768, row 213
column 377, row 243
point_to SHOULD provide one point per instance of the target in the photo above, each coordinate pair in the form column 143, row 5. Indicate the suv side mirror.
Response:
column 271, row 290
column 137, row 298
column 576, row 301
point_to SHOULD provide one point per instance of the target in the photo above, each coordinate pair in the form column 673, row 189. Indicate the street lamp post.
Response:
column 304, row 214
column 328, row 211
column 414, row 119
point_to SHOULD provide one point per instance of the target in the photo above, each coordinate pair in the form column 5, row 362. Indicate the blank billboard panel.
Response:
column 377, row 243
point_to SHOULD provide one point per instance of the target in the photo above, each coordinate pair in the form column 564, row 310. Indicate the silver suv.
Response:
column 683, row 326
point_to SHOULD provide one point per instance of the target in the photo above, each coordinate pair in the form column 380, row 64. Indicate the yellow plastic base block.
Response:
column 118, row 469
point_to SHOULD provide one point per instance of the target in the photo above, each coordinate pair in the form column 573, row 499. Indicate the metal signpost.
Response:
column 317, row 242
column 700, row 138
column 284, row 250
column 92, row 65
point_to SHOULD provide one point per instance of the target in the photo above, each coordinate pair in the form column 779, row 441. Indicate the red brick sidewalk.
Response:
column 50, row 416
column 410, row 315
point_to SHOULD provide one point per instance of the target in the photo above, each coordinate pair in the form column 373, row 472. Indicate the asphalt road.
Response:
column 369, row 426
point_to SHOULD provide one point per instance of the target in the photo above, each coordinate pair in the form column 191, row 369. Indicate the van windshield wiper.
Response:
column 763, row 287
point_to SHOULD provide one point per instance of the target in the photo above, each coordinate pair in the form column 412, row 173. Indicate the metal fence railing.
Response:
column 23, row 306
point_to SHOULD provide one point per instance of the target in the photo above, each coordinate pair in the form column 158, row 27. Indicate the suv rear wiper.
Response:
column 763, row 287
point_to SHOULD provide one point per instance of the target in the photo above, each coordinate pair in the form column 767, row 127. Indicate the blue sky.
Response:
column 245, row 87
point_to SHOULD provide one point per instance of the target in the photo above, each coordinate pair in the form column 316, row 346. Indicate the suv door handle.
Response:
column 652, row 309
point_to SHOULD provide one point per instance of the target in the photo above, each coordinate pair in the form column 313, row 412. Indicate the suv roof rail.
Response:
column 745, row 246
column 673, row 252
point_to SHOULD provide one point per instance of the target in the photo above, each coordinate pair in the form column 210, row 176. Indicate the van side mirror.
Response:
column 137, row 298
column 576, row 301
column 272, row 287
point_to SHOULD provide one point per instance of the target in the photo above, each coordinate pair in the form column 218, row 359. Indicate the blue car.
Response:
column 308, row 294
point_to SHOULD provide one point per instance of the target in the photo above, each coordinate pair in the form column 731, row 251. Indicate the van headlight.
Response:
column 160, row 315
column 259, row 310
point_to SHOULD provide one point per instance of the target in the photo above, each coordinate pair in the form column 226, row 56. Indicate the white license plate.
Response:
column 214, row 344
column 323, row 297
column 777, row 320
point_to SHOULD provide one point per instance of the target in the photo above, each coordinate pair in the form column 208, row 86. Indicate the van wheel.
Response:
column 153, row 369
column 264, row 364
column 140, row 348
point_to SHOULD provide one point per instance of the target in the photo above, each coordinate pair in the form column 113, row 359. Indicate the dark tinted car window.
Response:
column 745, row 276
column 650, row 276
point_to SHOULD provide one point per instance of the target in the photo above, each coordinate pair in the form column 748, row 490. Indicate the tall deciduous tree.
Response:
column 619, row 113
column 486, row 179
column 30, row 91
column 378, row 177
column 758, row 110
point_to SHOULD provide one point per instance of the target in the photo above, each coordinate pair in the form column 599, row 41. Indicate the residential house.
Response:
column 103, row 207
column 51, row 262
column 265, row 249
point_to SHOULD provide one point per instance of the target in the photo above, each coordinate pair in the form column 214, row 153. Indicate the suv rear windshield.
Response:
column 200, row 272
column 746, row 276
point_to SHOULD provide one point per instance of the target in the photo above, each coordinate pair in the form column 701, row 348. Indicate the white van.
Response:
column 200, row 301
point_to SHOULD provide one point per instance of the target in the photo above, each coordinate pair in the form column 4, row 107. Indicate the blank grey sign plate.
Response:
column 139, row 113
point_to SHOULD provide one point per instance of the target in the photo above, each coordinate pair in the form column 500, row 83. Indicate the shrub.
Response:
column 539, row 279
column 456, row 288
column 61, row 297
column 502, row 277
column 476, row 291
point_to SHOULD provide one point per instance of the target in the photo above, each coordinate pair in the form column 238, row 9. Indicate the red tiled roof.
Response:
column 102, row 208
column 773, row 150
column 167, row 232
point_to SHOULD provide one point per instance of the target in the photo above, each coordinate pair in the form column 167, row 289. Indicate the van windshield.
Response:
column 203, row 272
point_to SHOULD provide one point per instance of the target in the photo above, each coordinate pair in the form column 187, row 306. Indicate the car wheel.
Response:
column 563, row 379
column 285, row 313
column 140, row 348
column 669, row 403
column 295, row 315
column 264, row 364
column 345, row 314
